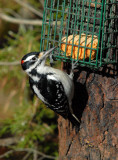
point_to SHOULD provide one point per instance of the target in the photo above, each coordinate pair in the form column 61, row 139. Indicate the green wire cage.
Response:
column 83, row 30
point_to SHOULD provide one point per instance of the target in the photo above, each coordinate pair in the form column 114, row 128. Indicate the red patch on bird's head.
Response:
column 22, row 61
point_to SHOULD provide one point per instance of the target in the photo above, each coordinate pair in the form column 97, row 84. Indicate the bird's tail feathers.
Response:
column 74, row 120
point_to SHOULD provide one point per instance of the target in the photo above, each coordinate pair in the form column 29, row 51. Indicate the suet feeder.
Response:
column 83, row 30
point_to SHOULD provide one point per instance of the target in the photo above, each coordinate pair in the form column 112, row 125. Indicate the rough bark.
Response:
column 96, row 104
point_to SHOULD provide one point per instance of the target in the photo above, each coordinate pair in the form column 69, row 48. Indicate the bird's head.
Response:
column 34, row 59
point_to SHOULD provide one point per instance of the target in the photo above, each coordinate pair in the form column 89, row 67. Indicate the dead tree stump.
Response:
column 96, row 104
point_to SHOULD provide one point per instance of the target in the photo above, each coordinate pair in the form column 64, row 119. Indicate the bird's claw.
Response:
column 74, row 64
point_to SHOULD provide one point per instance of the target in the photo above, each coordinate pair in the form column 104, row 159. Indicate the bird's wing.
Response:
column 54, row 94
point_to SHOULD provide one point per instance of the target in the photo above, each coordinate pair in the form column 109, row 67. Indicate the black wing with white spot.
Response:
column 54, row 95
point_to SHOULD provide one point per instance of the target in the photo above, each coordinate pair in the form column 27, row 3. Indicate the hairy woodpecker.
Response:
column 53, row 86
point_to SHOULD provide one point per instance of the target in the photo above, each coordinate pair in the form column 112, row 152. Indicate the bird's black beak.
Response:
column 46, row 53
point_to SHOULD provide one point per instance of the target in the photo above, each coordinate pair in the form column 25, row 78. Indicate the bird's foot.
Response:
column 74, row 65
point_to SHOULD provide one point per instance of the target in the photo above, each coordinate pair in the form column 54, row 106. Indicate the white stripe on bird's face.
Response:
column 32, row 67
column 29, row 58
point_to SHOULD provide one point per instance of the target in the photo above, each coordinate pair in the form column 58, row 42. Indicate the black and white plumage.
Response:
column 53, row 86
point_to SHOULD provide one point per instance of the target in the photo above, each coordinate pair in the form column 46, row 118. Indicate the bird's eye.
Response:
column 34, row 58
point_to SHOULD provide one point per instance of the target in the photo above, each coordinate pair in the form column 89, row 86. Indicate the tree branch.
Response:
column 42, row 3
column 6, row 154
column 19, row 20
column 9, row 63
column 29, row 7
column 27, row 150
column 26, row 156
column 8, row 141
column 12, row 12
column 25, row 21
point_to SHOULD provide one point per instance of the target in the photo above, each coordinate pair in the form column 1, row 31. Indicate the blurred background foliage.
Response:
column 28, row 130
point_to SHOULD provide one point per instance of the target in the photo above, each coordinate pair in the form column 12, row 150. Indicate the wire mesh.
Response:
column 91, row 20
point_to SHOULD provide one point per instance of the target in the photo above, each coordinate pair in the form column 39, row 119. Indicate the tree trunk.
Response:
column 96, row 105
